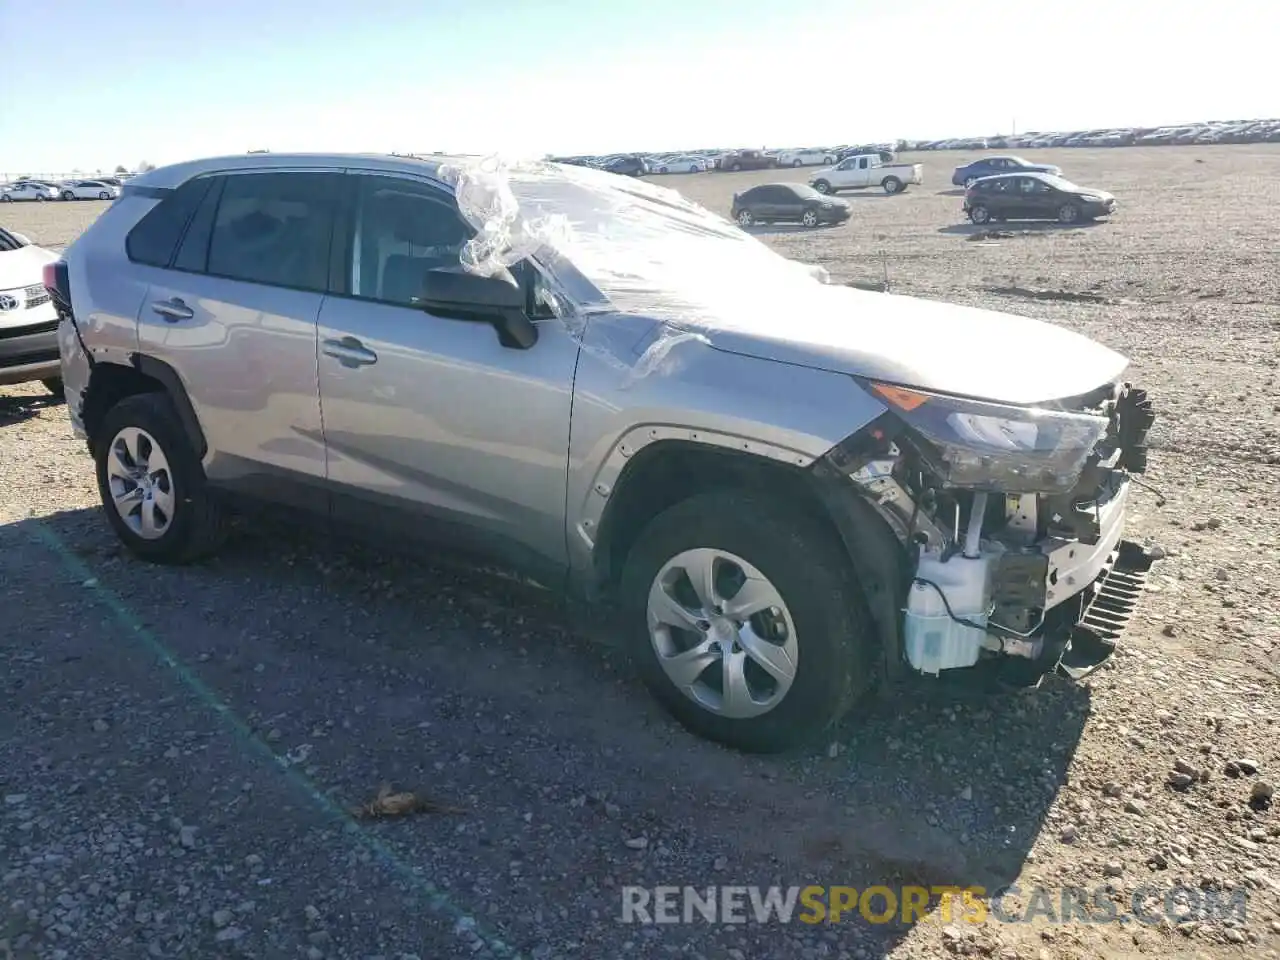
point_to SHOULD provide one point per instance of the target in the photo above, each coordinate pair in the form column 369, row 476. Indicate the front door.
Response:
column 1036, row 198
column 233, row 308
column 433, row 428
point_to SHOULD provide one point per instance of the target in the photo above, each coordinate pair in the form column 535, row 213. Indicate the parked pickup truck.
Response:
column 866, row 170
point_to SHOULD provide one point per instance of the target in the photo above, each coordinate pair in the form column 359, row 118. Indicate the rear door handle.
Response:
column 173, row 310
column 350, row 352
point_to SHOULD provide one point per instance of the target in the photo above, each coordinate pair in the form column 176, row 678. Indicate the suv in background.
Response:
column 759, row 472
column 747, row 160
column 628, row 166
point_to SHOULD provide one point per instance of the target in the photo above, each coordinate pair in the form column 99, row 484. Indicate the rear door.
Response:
column 433, row 428
column 233, row 310
column 788, row 204
column 862, row 172
column 769, row 202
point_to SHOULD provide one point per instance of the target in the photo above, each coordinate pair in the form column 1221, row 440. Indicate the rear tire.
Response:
column 68, row 195
column 195, row 526
column 891, row 185
column 815, row 621
column 796, row 163
column 979, row 214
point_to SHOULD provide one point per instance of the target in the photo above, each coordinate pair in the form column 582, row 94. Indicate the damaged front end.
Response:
column 1011, row 519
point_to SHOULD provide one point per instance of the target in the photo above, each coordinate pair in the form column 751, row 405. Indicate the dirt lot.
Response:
column 178, row 746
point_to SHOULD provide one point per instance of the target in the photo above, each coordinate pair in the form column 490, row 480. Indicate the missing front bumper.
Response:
column 1108, row 608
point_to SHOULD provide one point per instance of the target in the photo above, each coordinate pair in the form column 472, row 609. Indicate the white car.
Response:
column 866, row 170
column 805, row 158
column 680, row 164
column 88, row 190
column 28, row 320
column 28, row 190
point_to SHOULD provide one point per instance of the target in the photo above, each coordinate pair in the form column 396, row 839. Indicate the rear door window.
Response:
column 275, row 228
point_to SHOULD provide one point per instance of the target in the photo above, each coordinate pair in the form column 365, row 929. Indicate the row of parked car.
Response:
column 702, row 160
column 997, row 188
column 99, row 188
column 1234, row 131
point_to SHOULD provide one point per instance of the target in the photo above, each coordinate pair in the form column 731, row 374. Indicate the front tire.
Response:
column 745, row 219
column 54, row 385
column 809, row 218
column 822, row 186
column 103, row 195
column 1068, row 213
column 152, row 484
column 745, row 621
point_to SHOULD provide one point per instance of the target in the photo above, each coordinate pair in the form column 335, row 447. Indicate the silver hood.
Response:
column 934, row 346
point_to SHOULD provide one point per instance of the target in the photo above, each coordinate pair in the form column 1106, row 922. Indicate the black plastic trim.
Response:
column 168, row 377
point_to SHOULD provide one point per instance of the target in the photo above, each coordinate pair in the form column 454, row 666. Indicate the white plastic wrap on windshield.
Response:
column 622, row 246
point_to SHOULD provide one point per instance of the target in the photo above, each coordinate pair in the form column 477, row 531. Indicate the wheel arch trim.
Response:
column 168, row 378
column 605, row 483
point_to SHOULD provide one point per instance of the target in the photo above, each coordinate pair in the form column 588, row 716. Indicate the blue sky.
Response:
column 165, row 81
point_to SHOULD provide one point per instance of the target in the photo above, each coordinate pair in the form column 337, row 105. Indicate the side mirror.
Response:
column 468, row 296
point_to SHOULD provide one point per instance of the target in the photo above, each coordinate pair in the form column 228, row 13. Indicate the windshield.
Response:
column 1058, row 183
column 805, row 192
column 8, row 241
column 632, row 246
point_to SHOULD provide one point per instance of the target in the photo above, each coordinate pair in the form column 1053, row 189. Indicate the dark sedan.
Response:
column 629, row 166
column 1034, row 196
column 993, row 166
column 787, row 202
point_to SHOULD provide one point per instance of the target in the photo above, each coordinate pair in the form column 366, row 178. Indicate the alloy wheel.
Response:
column 141, row 483
column 722, row 633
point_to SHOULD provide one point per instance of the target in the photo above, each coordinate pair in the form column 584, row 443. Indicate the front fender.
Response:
column 700, row 395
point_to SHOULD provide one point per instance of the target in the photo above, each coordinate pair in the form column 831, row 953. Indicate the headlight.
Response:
column 976, row 445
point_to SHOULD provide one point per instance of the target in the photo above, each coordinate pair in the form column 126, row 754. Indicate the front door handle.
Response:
column 173, row 310
column 350, row 352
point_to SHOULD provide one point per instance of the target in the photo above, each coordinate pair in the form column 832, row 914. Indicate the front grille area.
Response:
column 39, row 301
column 28, row 356
column 34, row 291
column 9, row 333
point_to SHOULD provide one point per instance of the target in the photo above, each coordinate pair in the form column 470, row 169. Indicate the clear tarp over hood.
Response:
column 618, row 245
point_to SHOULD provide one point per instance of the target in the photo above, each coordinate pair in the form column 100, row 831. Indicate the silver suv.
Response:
column 791, row 492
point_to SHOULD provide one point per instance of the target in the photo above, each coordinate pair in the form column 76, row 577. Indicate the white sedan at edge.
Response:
column 28, row 319
column 28, row 190
column 88, row 190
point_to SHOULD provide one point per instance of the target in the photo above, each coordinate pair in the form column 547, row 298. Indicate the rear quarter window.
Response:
column 155, row 237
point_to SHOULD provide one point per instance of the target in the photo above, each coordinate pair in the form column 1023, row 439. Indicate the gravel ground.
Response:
column 179, row 748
